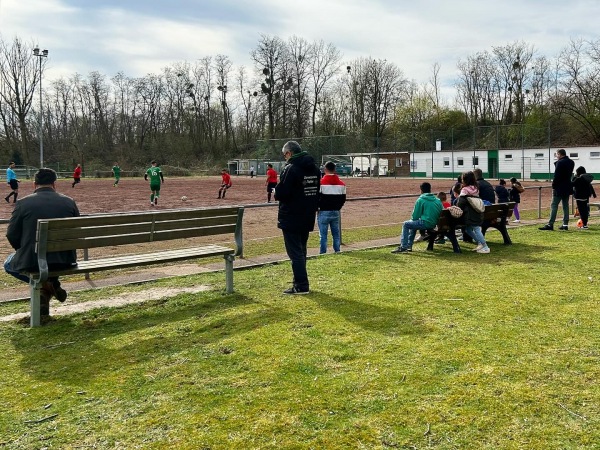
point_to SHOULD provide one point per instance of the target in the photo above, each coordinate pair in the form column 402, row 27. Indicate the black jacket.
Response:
column 470, row 216
column 486, row 191
column 502, row 193
column 582, row 187
column 44, row 203
column 563, row 171
column 298, row 194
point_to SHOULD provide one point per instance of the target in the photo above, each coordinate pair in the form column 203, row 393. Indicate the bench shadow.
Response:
column 379, row 319
column 100, row 344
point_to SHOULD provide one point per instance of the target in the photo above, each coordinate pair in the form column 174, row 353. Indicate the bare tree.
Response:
column 325, row 60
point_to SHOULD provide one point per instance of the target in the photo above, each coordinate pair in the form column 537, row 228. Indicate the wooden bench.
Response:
column 495, row 216
column 83, row 233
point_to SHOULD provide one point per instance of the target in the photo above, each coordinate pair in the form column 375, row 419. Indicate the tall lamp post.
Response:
column 40, row 55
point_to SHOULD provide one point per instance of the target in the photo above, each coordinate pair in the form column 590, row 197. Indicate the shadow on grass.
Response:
column 370, row 317
column 72, row 350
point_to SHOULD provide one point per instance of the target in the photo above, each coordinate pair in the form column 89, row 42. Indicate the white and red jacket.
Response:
column 332, row 193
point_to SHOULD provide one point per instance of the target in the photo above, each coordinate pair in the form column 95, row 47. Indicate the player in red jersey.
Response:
column 271, row 181
column 225, row 183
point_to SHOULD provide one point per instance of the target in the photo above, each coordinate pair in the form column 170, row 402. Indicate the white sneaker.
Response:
column 484, row 250
column 479, row 247
column 516, row 221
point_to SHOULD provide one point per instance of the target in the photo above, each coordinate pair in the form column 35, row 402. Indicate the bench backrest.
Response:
column 76, row 233
column 492, row 212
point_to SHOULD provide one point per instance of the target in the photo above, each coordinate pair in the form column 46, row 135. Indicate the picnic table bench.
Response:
column 495, row 216
column 83, row 233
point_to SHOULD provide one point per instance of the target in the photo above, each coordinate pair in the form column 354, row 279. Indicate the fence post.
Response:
column 539, row 202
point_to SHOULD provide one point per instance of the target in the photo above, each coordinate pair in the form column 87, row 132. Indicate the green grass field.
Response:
column 421, row 350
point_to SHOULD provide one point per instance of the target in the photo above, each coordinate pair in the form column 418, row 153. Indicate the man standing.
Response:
column 486, row 190
column 76, row 175
column 116, row 170
column 11, row 179
column 156, row 179
column 251, row 171
column 271, row 181
column 426, row 214
column 331, row 200
column 561, row 189
column 44, row 203
column 225, row 183
column 297, row 193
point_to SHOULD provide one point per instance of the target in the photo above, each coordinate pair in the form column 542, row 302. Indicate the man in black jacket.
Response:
column 561, row 189
column 297, row 193
column 486, row 190
column 44, row 203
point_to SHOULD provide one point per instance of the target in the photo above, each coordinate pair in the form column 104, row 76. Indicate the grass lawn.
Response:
column 421, row 350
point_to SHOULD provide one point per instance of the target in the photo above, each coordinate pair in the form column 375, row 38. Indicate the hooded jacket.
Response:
column 582, row 186
column 298, row 193
column 427, row 208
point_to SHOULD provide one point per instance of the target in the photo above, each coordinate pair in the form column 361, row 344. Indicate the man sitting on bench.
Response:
column 44, row 203
column 425, row 216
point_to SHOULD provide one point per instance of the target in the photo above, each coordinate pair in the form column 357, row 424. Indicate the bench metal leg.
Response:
column 229, row 273
column 35, row 319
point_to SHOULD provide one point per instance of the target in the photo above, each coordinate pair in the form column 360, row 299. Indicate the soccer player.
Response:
column 76, row 175
column 116, row 170
column 225, row 183
column 11, row 179
column 271, row 181
column 156, row 179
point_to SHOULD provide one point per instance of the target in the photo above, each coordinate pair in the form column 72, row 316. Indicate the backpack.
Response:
column 476, row 203
column 520, row 189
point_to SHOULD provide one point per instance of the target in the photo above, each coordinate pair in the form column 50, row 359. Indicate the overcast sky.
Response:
column 143, row 36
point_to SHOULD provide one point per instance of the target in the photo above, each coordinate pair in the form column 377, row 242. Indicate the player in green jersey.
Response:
column 116, row 170
column 156, row 178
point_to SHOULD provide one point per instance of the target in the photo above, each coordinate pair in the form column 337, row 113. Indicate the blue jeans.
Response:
column 295, row 246
column 475, row 232
column 409, row 229
column 8, row 270
column 556, row 199
column 327, row 219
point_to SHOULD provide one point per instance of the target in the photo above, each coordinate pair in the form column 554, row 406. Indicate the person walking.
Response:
column 251, row 171
column 514, row 195
column 425, row 215
column 116, row 170
column 156, row 179
column 271, row 181
column 582, row 191
column 501, row 191
column 331, row 200
column 76, row 175
column 13, row 182
column 298, row 195
column 225, row 183
column 561, row 189
column 44, row 203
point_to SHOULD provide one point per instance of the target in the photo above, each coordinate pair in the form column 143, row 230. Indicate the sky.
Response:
column 138, row 37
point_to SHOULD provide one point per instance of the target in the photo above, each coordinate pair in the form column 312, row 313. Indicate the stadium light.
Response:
column 40, row 55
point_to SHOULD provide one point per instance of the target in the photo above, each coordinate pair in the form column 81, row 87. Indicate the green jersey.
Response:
column 116, row 171
column 154, row 173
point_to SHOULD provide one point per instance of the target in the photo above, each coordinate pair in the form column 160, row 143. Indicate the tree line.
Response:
column 199, row 114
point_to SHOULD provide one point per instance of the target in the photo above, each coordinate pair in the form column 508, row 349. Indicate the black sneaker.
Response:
column 564, row 227
column 402, row 250
column 59, row 293
column 547, row 228
column 295, row 291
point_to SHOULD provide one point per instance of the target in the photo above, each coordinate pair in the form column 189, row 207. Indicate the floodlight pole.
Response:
column 40, row 55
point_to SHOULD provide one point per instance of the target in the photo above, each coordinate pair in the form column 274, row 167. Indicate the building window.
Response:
column 446, row 162
column 398, row 162
column 574, row 155
column 508, row 157
column 594, row 154
column 475, row 161
column 413, row 164
column 460, row 162
column 539, row 156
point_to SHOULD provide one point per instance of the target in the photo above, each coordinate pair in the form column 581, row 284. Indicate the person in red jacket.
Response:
column 271, row 181
column 76, row 175
column 331, row 199
column 225, row 183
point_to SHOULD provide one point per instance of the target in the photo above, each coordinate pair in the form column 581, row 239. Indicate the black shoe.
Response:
column 59, row 293
column 402, row 250
column 7, row 200
column 547, row 228
column 295, row 291
column 564, row 227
